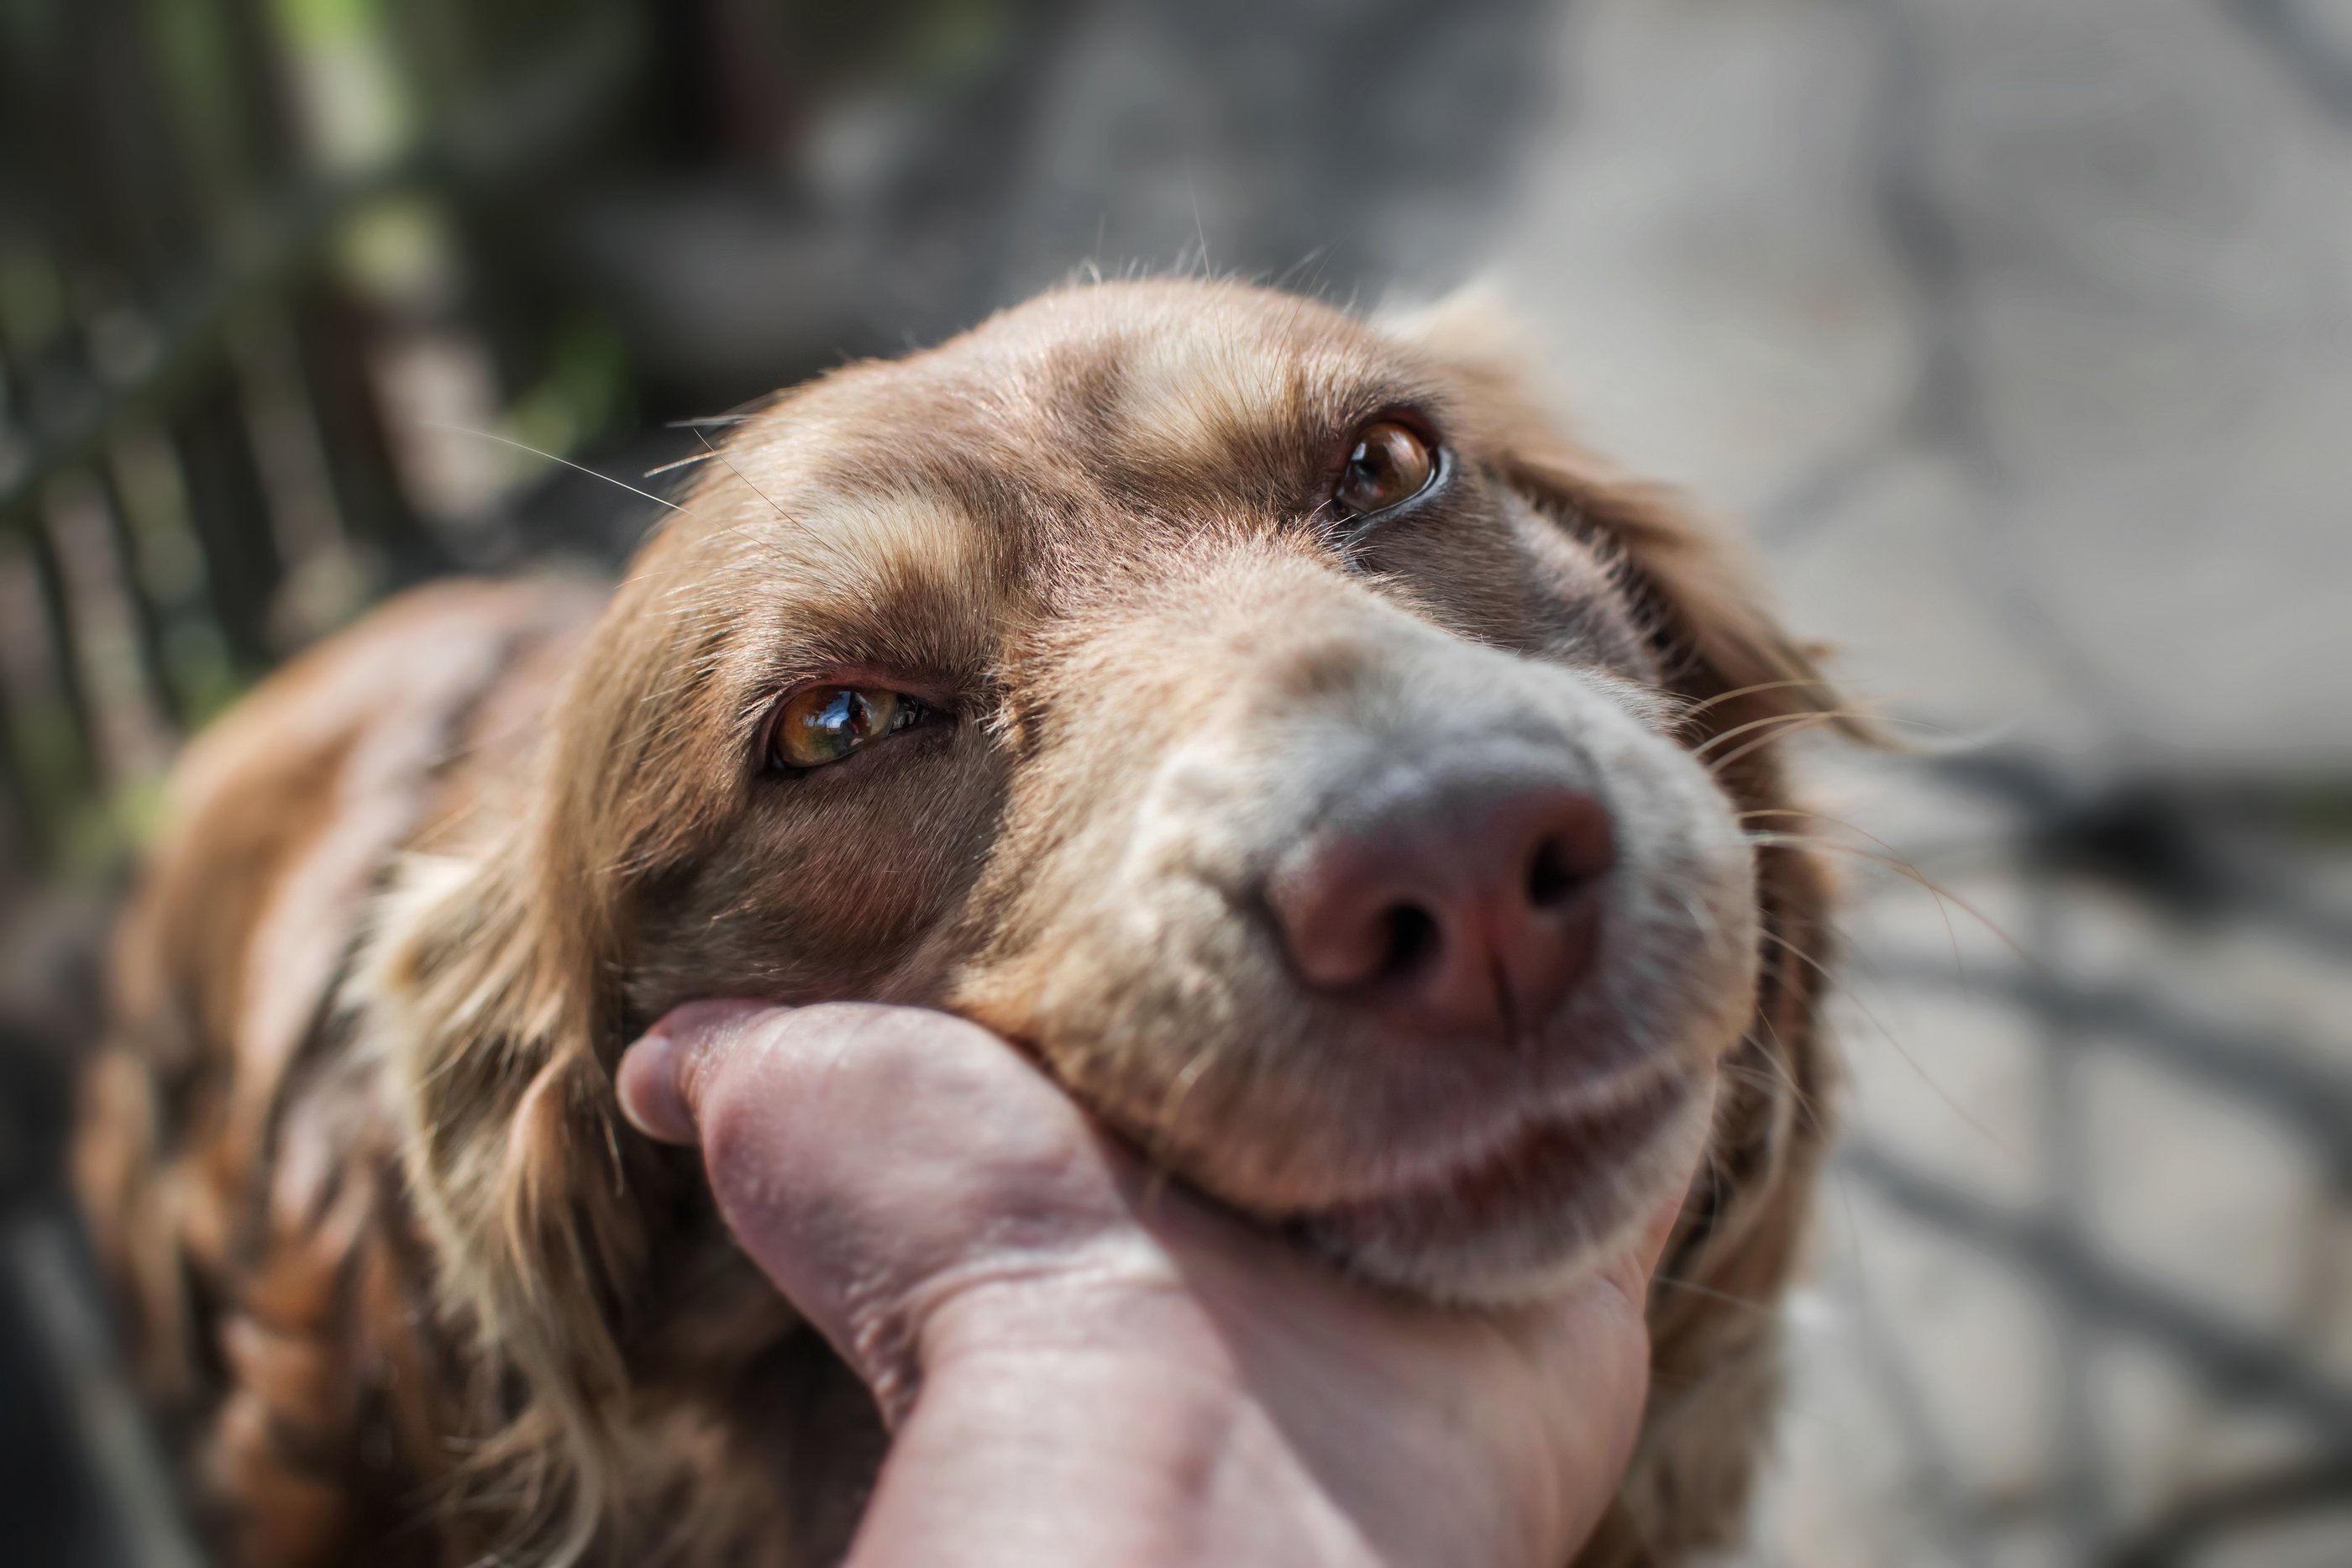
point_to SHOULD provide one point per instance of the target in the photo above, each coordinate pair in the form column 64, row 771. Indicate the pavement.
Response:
column 2021, row 333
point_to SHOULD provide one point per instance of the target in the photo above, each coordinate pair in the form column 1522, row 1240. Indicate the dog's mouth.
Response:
column 1526, row 1206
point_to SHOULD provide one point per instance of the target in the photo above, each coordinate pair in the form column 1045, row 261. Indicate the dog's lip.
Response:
column 1534, row 1161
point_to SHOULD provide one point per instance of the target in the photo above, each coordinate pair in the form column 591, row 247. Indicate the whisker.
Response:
column 1696, row 1288
column 1796, row 723
column 739, row 474
column 551, row 457
column 1782, row 1061
column 1951, row 933
column 1909, row 873
column 1721, row 697
column 1771, row 720
column 1834, row 821
column 1789, row 724
column 1780, row 1077
column 1831, row 981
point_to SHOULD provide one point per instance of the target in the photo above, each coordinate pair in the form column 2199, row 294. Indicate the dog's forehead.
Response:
column 1172, row 372
column 964, row 481
column 1041, row 409
column 1096, row 380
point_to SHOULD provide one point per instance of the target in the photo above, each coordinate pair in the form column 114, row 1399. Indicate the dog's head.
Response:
column 1256, row 713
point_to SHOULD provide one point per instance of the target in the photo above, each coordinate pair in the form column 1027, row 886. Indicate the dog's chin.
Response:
column 1532, row 1217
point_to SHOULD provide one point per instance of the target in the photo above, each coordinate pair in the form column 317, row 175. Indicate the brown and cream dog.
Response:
column 1333, row 776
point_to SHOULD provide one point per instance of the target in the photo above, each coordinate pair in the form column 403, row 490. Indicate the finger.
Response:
column 873, row 1160
column 658, row 1081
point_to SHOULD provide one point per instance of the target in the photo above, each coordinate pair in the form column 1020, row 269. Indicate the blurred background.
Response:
column 2019, row 330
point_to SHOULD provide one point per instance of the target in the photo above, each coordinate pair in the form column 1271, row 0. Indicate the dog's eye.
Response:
column 1388, row 463
column 825, row 724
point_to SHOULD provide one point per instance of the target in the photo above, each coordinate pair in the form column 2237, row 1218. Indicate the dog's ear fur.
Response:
column 1714, row 1355
column 483, row 994
column 490, row 982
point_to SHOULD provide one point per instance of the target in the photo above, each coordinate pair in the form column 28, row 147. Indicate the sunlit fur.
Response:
column 406, row 1288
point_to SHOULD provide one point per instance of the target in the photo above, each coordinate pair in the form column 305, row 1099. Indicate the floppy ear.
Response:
column 486, row 992
column 1715, row 1367
column 492, row 985
column 1715, row 1353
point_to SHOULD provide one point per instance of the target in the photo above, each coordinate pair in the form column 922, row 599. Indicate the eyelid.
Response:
column 932, row 693
column 1409, row 415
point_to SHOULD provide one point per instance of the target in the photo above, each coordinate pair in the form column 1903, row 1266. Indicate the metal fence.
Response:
column 228, row 231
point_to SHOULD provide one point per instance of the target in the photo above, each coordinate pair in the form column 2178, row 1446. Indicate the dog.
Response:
column 1345, row 786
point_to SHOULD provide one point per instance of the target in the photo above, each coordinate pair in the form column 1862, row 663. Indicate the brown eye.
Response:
column 825, row 724
column 1389, row 462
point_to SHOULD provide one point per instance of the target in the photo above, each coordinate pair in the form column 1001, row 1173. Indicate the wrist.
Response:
column 1131, row 1414
column 1112, row 1432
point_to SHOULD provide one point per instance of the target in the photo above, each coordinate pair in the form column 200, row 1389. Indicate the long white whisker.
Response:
column 739, row 474
column 551, row 457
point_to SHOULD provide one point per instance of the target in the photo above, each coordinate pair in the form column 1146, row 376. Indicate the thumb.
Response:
column 876, row 1161
column 661, row 1077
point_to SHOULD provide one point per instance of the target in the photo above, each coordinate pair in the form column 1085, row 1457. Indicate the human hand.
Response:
column 1081, row 1363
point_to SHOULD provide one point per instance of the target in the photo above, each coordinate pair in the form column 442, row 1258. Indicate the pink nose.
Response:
column 1452, row 912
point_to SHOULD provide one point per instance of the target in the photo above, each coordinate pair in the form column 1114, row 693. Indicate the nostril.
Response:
column 1412, row 940
column 1552, row 876
column 1575, row 846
